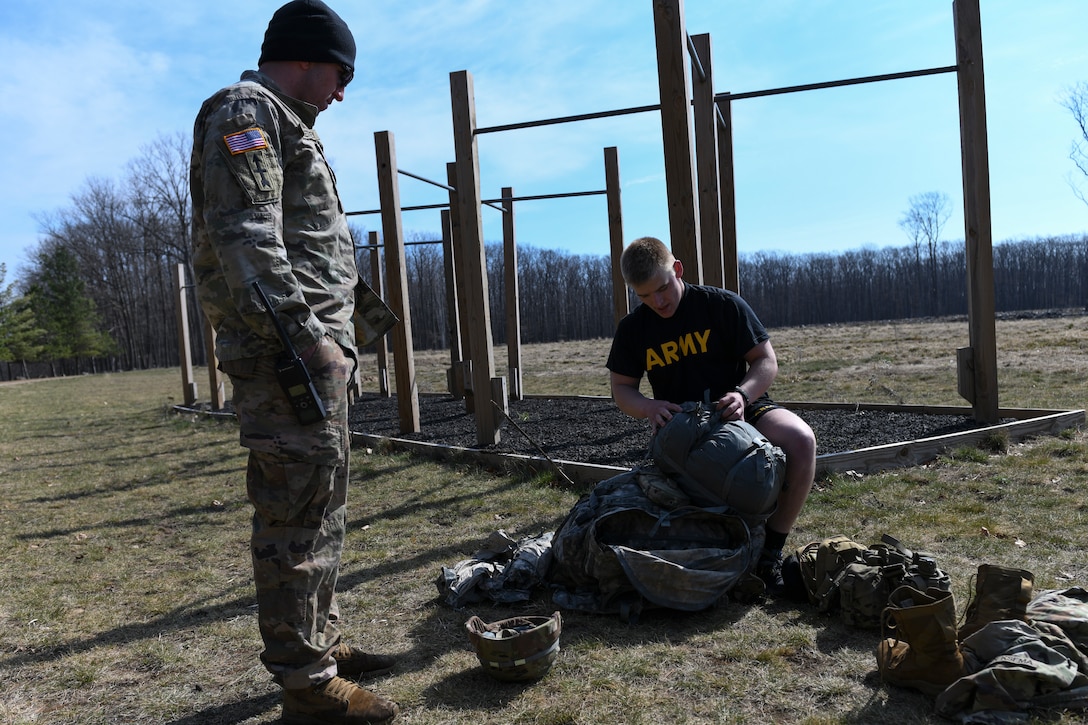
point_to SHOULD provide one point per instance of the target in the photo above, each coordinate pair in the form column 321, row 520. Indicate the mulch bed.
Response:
column 590, row 430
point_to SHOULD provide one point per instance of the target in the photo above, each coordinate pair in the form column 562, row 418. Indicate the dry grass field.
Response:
column 126, row 594
column 1042, row 363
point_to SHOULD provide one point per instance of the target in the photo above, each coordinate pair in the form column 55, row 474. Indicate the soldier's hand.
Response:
column 659, row 413
column 325, row 351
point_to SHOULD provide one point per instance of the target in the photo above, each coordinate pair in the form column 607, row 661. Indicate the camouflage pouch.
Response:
column 372, row 317
column 865, row 585
column 819, row 564
column 863, row 593
column 661, row 489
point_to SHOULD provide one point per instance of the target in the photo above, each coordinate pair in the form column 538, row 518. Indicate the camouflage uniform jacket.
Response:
column 1015, row 667
column 266, row 208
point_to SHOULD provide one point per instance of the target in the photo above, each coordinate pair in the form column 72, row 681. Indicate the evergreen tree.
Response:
column 19, row 333
column 64, row 311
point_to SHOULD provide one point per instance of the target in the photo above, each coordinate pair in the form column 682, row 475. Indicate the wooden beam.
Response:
column 396, row 275
column 513, row 305
column 620, row 301
column 1028, row 424
column 482, row 353
column 976, row 209
column 215, row 377
column 728, row 202
column 455, row 383
column 923, row 450
column 381, row 347
column 676, row 135
column 185, row 352
column 460, row 273
column 707, row 158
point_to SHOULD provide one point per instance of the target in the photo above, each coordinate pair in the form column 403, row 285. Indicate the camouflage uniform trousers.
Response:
column 297, row 482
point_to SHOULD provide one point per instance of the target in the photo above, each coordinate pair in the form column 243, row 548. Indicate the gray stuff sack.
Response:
column 720, row 463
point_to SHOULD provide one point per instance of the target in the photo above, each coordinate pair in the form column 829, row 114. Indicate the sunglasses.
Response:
column 346, row 74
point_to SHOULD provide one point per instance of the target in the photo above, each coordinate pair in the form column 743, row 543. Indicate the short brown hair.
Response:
column 643, row 258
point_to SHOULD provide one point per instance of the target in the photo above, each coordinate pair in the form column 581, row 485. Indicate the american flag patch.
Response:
column 249, row 140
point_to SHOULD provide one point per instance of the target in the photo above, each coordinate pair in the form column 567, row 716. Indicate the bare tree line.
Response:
column 565, row 296
column 110, row 257
column 125, row 237
column 895, row 283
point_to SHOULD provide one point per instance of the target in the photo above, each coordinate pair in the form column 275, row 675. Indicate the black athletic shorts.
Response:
column 755, row 410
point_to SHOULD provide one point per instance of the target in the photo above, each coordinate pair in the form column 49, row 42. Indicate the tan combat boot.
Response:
column 353, row 663
column 336, row 701
column 1000, row 593
column 924, row 654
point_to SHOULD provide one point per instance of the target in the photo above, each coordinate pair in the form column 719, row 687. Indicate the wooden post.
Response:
column 513, row 305
column 675, row 91
column 185, row 354
column 728, row 204
column 976, row 212
column 215, row 377
column 468, row 197
column 455, row 379
column 376, row 284
column 396, row 275
column 620, row 301
column 706, row 156
column 462, row 367
column 218, row 395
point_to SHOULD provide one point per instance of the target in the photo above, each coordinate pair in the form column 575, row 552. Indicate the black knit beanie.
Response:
column 308, row 30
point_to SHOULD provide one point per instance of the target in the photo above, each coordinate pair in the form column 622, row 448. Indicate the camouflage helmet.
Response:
column 519, row 649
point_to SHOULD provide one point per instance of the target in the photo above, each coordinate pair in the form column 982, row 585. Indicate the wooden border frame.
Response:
column 1029, row 423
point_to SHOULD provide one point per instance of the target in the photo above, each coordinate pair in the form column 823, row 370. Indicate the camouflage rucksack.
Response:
column 618, row 552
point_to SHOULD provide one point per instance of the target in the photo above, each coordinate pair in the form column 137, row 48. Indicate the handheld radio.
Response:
column 292, row 374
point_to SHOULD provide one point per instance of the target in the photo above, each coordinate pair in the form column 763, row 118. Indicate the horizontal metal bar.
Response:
column 569, row 119
column 424, row 178
column 835, row 84
column 549, row 196
column 421, row 207
column 403, row 208
column 407, row 244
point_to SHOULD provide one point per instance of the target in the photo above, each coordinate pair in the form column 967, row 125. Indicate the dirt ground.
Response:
column 590, row 430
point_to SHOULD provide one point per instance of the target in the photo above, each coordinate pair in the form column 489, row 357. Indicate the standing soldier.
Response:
column 266, row 211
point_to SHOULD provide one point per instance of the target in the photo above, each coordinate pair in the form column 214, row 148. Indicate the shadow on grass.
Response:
column 891, row 704
column 258, row 706
column 200, row 612
column 176, row 514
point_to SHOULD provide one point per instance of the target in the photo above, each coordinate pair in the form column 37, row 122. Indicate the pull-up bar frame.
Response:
column 978, row 384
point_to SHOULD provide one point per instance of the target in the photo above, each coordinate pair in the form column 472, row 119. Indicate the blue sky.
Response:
column 88, row 85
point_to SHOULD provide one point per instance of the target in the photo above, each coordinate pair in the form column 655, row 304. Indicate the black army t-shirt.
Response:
column 701, row 346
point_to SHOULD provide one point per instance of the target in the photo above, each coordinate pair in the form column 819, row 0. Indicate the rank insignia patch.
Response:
column 249, row 140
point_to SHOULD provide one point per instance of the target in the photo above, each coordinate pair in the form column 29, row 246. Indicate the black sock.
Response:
column 775, row 540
